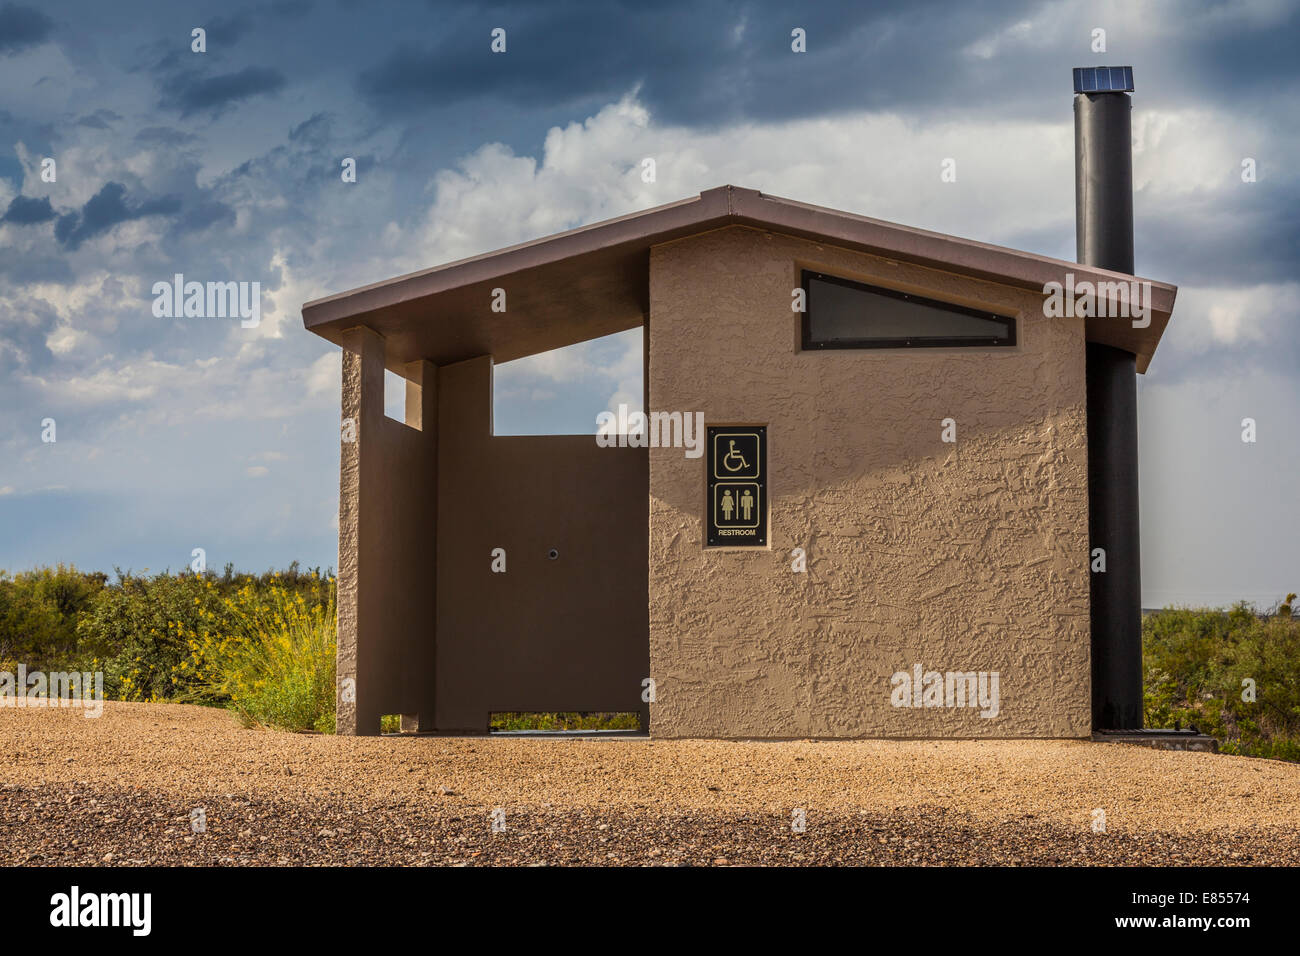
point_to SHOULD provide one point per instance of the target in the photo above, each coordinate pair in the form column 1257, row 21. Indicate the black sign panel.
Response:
column 736, row 509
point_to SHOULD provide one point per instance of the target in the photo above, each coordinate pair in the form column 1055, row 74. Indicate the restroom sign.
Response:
column 736, row 509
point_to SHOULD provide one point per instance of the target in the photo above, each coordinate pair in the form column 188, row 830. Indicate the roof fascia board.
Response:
column 731, row 205
column 685, row 216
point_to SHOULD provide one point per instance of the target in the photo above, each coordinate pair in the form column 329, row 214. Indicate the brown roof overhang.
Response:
column 594, row 281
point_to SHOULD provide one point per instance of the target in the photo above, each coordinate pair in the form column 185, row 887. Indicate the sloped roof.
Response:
column 594, row 281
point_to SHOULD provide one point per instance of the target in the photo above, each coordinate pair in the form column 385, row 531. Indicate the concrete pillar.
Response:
column 387, row 541
column 362, row 421
column 419, row 661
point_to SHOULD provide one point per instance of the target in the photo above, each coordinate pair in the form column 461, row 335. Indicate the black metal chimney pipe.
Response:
column 1103, row 196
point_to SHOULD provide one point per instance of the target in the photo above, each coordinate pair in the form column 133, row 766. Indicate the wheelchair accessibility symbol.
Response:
column 740, row 462
column 735, row 455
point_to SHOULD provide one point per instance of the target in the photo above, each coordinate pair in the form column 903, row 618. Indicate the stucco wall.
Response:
column 970, row 556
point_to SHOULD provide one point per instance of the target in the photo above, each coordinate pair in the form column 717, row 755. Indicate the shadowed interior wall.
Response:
column 546, row 635
column 387, row 523
column 964, row 557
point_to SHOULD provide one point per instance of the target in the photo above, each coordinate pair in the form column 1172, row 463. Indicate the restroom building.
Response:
column 896, row 481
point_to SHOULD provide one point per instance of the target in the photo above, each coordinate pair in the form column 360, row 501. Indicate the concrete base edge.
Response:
column 1159, row 739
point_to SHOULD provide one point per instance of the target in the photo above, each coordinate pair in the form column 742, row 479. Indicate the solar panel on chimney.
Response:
column 1103, row 79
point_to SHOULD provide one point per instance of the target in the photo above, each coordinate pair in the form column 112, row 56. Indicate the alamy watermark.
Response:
column 1123, row 300
column 211, row 300
column 75, row 908
column 57, row 689
column 922, row 688
column 655, row 430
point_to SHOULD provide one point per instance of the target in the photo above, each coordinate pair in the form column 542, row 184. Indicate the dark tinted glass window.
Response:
column 842, row 314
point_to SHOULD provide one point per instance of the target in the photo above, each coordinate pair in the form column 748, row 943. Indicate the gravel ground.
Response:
column 121, row 789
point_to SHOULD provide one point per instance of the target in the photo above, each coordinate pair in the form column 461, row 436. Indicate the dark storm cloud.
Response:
column 710, row 62
column 22, row 27
column 211, row 94
column 228, row 30
column 699, row 62
column 291, row 8
column 26, row 211
column 314, row 131
column 11, row 169
column 1249, row 237
column 164, row 136
column 1242, row 61
column 204, row 215
column 108, row 208
column 100, row 119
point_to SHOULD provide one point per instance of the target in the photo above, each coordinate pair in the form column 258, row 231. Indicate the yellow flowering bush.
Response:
column 269, row 656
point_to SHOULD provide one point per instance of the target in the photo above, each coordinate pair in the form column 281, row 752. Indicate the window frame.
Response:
column 807, row 344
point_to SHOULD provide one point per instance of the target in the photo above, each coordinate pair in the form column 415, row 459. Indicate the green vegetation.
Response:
column 264, row 645
column 567, row 720
column 269, row 654
column 1234, row 675
column 39, row 611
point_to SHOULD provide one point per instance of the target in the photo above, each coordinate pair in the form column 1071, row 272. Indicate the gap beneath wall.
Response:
column 1160, row 739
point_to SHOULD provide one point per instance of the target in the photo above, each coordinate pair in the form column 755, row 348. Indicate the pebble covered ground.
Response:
column 123, row 789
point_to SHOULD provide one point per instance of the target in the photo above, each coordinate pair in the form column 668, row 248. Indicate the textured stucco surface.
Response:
column 349, row 534
column 387, row 522
column 970, row 556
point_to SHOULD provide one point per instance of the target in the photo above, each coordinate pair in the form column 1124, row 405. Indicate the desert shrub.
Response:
column 138, row 627
column 39, row 610
column 1198, row 664
column 269, row 656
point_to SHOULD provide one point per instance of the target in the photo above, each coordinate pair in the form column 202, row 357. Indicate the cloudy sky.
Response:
column 173, row 434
